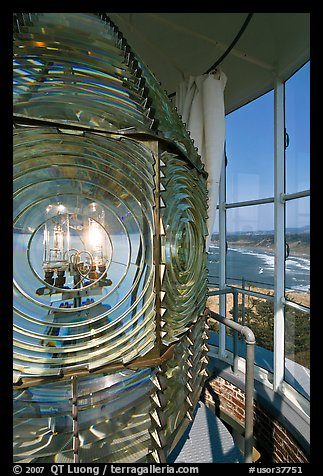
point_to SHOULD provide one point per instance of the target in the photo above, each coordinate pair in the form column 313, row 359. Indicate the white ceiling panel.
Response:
column 177, row 45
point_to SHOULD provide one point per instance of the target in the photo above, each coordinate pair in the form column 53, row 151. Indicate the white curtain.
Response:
column 200, row 102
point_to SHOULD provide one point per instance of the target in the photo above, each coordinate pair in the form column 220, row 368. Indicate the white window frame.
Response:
column 279, row 200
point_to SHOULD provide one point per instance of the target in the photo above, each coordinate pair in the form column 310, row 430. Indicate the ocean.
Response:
column 257, row 267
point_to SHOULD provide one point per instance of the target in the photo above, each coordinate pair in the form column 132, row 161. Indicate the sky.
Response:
column 250, row 154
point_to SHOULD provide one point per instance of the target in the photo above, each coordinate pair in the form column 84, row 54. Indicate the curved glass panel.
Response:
column 67, row 68
column 184, row 220
column 110, row 407
column 86, row 250
column 184, row 378
column 83, row 227
column 169, row 122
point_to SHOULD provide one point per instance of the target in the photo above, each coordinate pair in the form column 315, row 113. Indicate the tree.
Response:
column 259, row 316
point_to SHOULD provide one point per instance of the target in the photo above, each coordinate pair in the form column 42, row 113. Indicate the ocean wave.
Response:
column 269, row 261
column 291, row 265
column 269, row 258
column 304, row 288
column 247, row 251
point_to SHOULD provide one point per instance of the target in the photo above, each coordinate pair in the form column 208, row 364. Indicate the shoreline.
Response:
column 248, row 247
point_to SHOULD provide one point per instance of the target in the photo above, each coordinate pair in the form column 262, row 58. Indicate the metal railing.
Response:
column 250, row 340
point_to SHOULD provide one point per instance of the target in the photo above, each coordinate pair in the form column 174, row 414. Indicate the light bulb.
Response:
column 56, row 232
column 96, row 242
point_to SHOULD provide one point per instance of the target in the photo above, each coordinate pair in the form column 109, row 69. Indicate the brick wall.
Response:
column 272, row 440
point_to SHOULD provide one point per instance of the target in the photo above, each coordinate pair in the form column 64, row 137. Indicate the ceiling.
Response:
column 177, row 45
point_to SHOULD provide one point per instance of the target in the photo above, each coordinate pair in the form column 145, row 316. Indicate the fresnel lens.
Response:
column 110, row 279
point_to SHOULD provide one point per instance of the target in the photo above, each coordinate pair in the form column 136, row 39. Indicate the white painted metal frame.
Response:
column 222, row 256
column 279, row 200
column 279, row 223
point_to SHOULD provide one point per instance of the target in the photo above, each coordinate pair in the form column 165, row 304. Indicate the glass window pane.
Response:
column 257, row 314
column 297, row 280
column 213, row 255
column 297, row 265
column 297, row 117
column 250, row 150
column 297, row 350
column 250, row 236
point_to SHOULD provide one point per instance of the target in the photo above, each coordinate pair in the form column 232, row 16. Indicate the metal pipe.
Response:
column 249, row 203
column 299, row 307
column 245, row 331
column 242, row 291
column 218, row 292
column 249, row 397
column 235, row 333
column 255, row 294
column 250, row 340
column 291, row 196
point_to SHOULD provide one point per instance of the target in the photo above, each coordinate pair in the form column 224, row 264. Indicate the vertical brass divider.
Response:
column 157, row 452
column 76, row 441
column 155, row 147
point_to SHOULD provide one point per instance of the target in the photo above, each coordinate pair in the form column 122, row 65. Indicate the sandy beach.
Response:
column 302, row 298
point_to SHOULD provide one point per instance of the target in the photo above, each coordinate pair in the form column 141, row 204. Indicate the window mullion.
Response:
column 222, row 256
column 279, row 219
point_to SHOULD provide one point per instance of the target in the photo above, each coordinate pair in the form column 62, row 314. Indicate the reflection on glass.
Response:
column 79, row 78
column 83, row 250
column 184, row 219
column 86, row 262
column 297, row 117
column 110, row 407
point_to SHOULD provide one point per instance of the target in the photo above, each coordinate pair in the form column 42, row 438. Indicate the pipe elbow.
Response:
column 248, row 335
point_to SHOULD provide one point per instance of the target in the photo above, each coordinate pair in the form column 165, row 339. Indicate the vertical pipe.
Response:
column 249, row 381
column 279, row 216
column 235, row 332
column 222, row 257
column 249, row 397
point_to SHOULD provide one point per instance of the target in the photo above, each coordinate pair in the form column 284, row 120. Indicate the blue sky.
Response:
column 250, row 152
